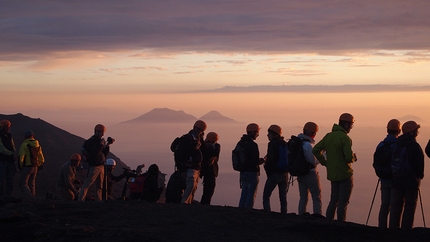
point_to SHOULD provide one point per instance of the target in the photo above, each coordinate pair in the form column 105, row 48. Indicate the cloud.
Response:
column 42, row 27
column 323, row 88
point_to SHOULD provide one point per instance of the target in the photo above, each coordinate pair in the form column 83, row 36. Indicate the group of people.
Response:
column 399, row 193
column 100, row 172
column 30, row 160
column 334, row 151
column 94, row 150
column 196, row 156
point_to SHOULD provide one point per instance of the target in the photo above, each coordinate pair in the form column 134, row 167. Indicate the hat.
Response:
column 28, row 133
column 410, row 126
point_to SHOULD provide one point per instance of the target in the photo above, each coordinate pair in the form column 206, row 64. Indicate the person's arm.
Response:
column 318, row 151
column 309, row 156
column 347, row 150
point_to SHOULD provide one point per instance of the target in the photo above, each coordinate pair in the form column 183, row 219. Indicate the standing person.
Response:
column 338, row 149
column 7, row 159
column 249, row 175
column 275, row 176
column 30, row 160
column 393, row 130
column 209, row 172
column 310, row 182
column 406, row 186
column 95, row 149
column 190, row 159
column 67, row 179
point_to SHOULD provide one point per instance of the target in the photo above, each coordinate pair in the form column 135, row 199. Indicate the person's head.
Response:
column 212, row 137
column 110, row 164
column 75, row 159
column 346, row 120
column 253, row 130
column 5, row 125
column 99, row 130
column 411, row 127
column 310, row 129
column 274, row 131
column 28, row 134
column 153, row 170
column 393, row 127
column 199, row 128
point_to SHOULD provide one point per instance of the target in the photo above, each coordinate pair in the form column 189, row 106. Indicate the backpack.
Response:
column 34, row 154
column 382, row 160
column 400, row 166
column 297, row 164
column 137, row 184
column 175, row 147
column 238, row 157
column 283, row 159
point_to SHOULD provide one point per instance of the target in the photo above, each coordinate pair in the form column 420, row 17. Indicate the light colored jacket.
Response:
column 24, row 153
column 337, row 147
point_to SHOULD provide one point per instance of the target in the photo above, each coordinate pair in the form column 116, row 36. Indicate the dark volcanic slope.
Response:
column 50, row 220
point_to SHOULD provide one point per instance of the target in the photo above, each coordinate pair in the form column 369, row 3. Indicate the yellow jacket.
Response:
column 24, row 153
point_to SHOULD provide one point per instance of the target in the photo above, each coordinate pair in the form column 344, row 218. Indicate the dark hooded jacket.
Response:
column 273, row 155
column 415, row 158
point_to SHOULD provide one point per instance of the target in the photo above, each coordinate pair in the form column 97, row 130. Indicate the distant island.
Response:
column 166, row 115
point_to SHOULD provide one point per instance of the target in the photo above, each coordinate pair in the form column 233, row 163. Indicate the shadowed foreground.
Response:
column 52, row 220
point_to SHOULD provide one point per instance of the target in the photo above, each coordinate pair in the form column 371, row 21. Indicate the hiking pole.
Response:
column 422, row 209
column 290, row 180
column 373, row 200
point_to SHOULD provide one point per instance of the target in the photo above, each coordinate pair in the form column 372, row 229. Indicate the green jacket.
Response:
column 339, row 155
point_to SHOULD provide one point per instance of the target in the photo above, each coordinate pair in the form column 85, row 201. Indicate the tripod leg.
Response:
column 422, row 209
column 373, row 200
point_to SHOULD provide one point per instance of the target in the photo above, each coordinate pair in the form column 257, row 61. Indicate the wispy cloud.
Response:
column 38, row 27
column 322, row 88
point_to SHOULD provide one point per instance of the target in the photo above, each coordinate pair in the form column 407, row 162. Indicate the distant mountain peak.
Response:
column 163, row 115
column 215, row 116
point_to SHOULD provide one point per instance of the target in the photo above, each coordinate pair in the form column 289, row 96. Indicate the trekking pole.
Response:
column 422, row 209
column 373, row 200
column 290, row 180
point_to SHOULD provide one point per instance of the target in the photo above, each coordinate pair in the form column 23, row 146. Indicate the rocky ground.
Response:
column 55, row 220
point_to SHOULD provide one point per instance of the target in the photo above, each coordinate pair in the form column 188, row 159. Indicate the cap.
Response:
column 28, row 133
column 347, row 117
column 252, row 127
column 275, row 128
column 311, row 126
column 212, row 136
column 410, row 126
column 393, row 124
column 200, row 124
column 110, row 162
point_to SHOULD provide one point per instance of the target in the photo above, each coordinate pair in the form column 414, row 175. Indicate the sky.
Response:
column 117, row 55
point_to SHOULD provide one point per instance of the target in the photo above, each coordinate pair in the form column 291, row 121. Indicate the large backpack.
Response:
column 136, row 186
column 238, row 156
column 175, row 187
column 400, row 166
column 34, row 155
column 382, row 160
column 178, row 152
column 297, row 164
column 283, row 160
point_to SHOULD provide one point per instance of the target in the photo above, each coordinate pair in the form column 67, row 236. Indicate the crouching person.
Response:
column 67, row 179
column 145, row 186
